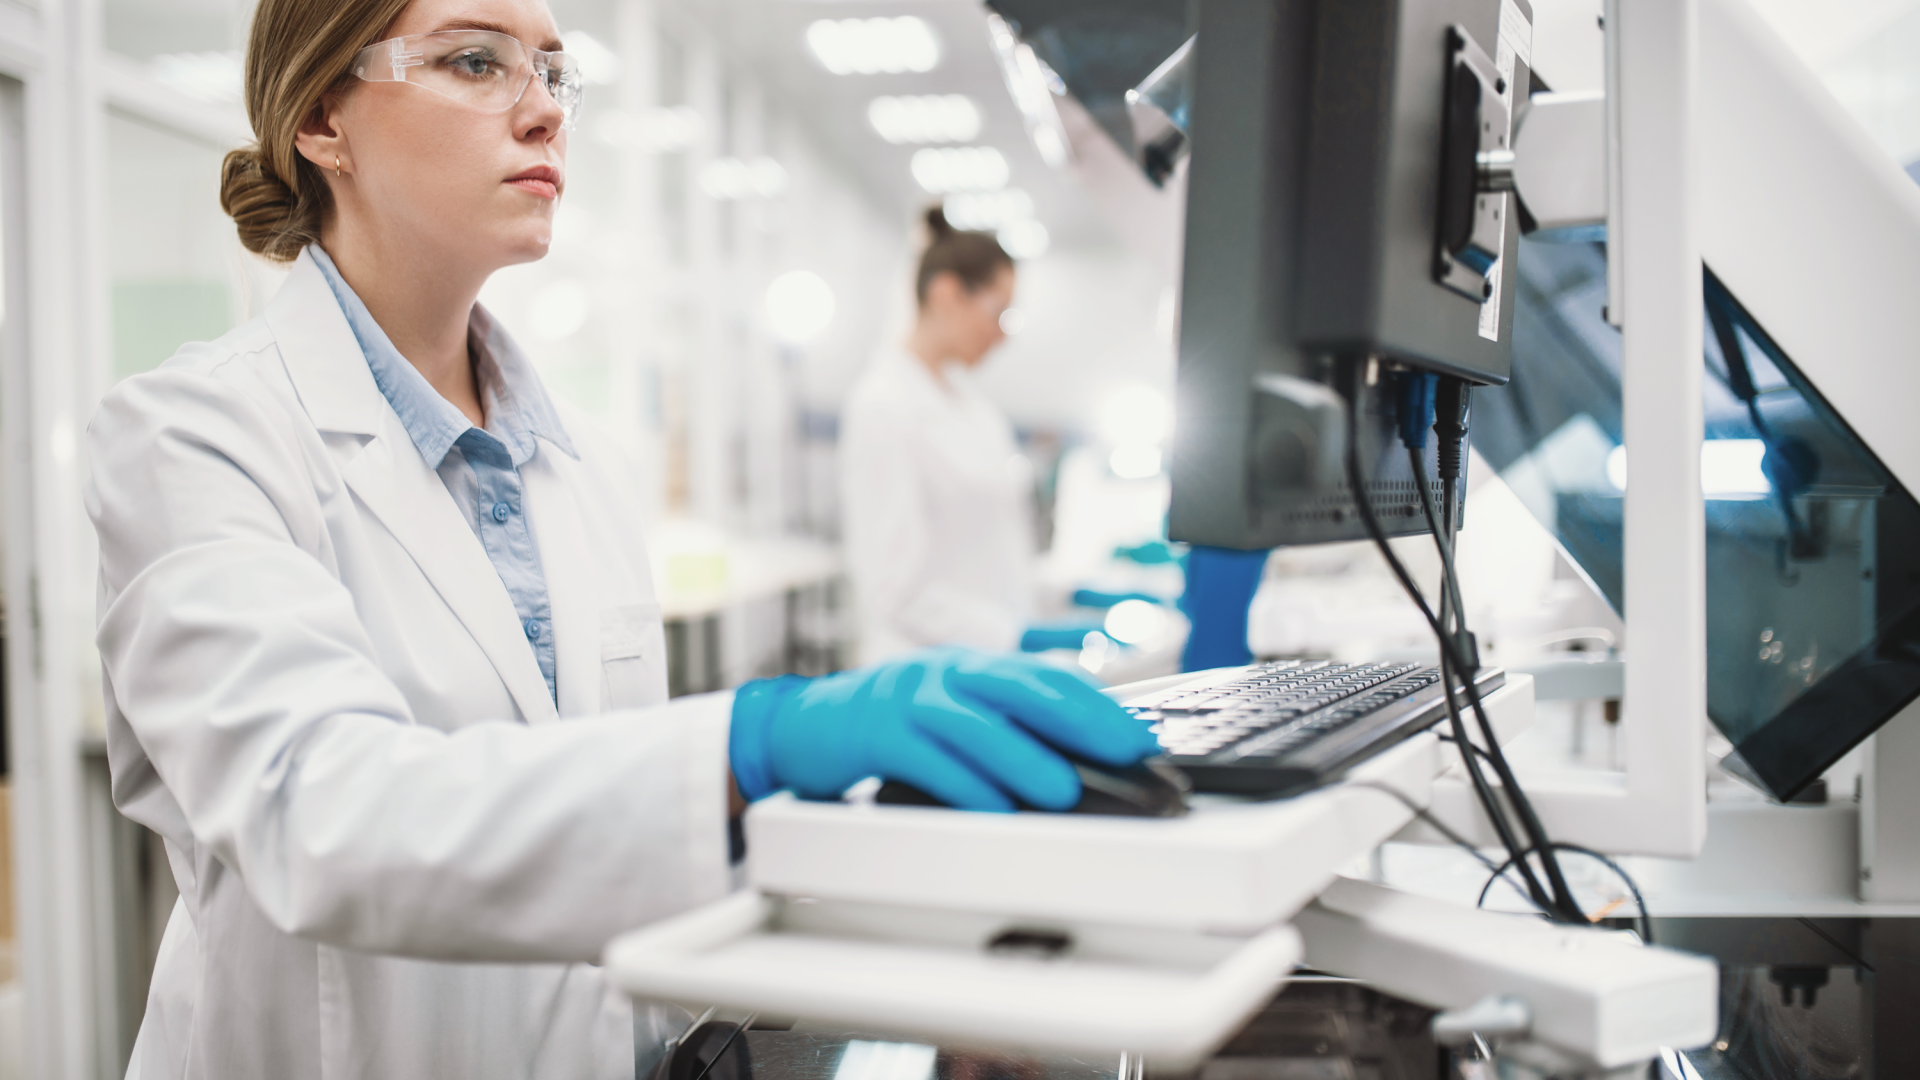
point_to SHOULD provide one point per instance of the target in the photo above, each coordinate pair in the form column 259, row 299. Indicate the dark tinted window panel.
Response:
column 1813, row 548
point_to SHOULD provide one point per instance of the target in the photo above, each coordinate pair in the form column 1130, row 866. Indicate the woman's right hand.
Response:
column 977, row 731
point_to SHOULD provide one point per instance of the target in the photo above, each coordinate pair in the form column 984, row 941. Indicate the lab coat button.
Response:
column 501, row 511
column 533, row 629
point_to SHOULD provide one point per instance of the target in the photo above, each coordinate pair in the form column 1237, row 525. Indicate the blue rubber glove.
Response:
column 976, row 731
column 1071, row 634
column 1094, row 598
column 1151, row 553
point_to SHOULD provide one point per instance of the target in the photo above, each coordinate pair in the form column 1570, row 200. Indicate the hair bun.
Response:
column 271, row 219
column 937, row 222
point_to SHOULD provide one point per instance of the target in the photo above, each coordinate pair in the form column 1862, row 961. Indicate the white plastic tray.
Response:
column 1228, row 867
column 1170, row 996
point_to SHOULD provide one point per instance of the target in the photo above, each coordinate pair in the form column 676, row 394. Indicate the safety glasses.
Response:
column 478, row 67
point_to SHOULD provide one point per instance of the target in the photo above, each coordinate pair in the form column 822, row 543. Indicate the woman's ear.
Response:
column 943, row 290
column 320, row 139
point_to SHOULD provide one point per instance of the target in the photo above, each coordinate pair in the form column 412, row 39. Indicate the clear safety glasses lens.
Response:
column 479, row 67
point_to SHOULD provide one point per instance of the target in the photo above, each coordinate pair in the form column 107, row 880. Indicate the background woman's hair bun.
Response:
column 976, row 258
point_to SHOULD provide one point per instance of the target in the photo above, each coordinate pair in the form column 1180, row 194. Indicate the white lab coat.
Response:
column 396, row 857
column 937, row 511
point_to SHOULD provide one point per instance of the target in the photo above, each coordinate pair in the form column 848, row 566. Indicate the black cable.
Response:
column 1356, row 482
column 1450, row 600
column 1452, row 407
column 1645, row 919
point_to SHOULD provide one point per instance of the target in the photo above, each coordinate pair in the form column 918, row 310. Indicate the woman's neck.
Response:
column 423, row 308
column 928, row 346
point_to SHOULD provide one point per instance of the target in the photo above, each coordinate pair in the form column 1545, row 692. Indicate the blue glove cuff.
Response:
column 754, row 707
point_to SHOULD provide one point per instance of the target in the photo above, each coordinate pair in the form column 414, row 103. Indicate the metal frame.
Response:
column 1658, row 805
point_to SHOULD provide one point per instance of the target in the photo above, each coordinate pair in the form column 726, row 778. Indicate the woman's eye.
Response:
column 475, row 64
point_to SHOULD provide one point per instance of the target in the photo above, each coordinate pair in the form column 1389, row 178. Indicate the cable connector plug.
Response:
column 1451, row 406
column 1413, row 407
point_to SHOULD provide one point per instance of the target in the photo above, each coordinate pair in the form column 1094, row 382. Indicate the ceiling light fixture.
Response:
column 733, row 179
column 960, row 168
column 1024, row 239
column 987, row 210
column 1033, row 86
column 890, row 46
column 925, row 118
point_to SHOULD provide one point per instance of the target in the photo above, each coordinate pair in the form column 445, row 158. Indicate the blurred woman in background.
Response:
column 936, row 496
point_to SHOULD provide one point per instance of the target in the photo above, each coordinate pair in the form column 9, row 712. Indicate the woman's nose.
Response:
column 538, row 112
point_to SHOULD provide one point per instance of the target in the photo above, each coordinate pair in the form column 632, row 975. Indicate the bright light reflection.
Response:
column 987, row 210
column 1024, row 239
column 1728, row 468
column 874, row 46
column 1135, row 461
column 960, row 168
column 1136, row 414
column 1133, row 622
column 799, row 306
column 925, row 118
column 864, row 1060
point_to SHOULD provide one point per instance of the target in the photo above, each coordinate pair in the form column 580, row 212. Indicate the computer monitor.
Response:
column 1342, row 202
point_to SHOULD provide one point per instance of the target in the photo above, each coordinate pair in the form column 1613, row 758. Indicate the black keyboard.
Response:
column 1293, row 725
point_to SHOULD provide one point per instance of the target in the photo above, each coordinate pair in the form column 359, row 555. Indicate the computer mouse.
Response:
column 1149, row 789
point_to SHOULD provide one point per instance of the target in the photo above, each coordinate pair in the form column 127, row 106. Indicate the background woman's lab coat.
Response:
column 396, row 856
column 937, row 512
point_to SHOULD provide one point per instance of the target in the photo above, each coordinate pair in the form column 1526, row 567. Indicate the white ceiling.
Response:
column 764, row 40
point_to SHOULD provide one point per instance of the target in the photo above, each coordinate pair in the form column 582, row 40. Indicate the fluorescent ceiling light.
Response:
column 987, row 210
column 876, row 46
column 731, row 179
column 925, row 118
column 1025, row 239
column 960, row 168
column 598, row 64
column 1033, row 86
column 666, row 129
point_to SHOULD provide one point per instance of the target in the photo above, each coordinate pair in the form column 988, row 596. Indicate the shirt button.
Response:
column 533, row 629
column 501, row 511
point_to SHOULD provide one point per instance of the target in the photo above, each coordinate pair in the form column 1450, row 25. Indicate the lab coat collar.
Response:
column 322, row 357
column 518, row 408
column 388, row 474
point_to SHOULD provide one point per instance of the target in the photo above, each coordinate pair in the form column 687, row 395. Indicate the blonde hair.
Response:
column 297, row 51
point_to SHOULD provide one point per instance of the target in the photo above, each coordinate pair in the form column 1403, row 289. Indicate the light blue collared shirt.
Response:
column 481, row 467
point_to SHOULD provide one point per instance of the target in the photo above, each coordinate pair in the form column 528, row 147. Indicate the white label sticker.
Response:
column 1516, row 41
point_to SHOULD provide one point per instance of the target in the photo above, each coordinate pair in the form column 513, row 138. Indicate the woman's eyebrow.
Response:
column 551, row 45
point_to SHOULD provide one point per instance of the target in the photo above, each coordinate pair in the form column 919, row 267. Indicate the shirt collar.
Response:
column 518, row 408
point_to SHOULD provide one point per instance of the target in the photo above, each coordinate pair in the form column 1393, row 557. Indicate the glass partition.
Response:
column 1813, row 548
column 171, row 253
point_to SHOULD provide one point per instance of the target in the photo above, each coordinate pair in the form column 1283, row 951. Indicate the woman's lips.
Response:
column 542, row 181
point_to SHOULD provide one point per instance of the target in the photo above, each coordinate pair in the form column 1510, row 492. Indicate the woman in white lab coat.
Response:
column 936, row 497
column 382, row 658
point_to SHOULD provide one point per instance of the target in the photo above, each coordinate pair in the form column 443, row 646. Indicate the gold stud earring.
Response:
column 336, row 166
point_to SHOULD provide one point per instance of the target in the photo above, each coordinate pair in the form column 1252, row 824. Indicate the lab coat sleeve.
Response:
column 236, row 658
column 887, row 537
